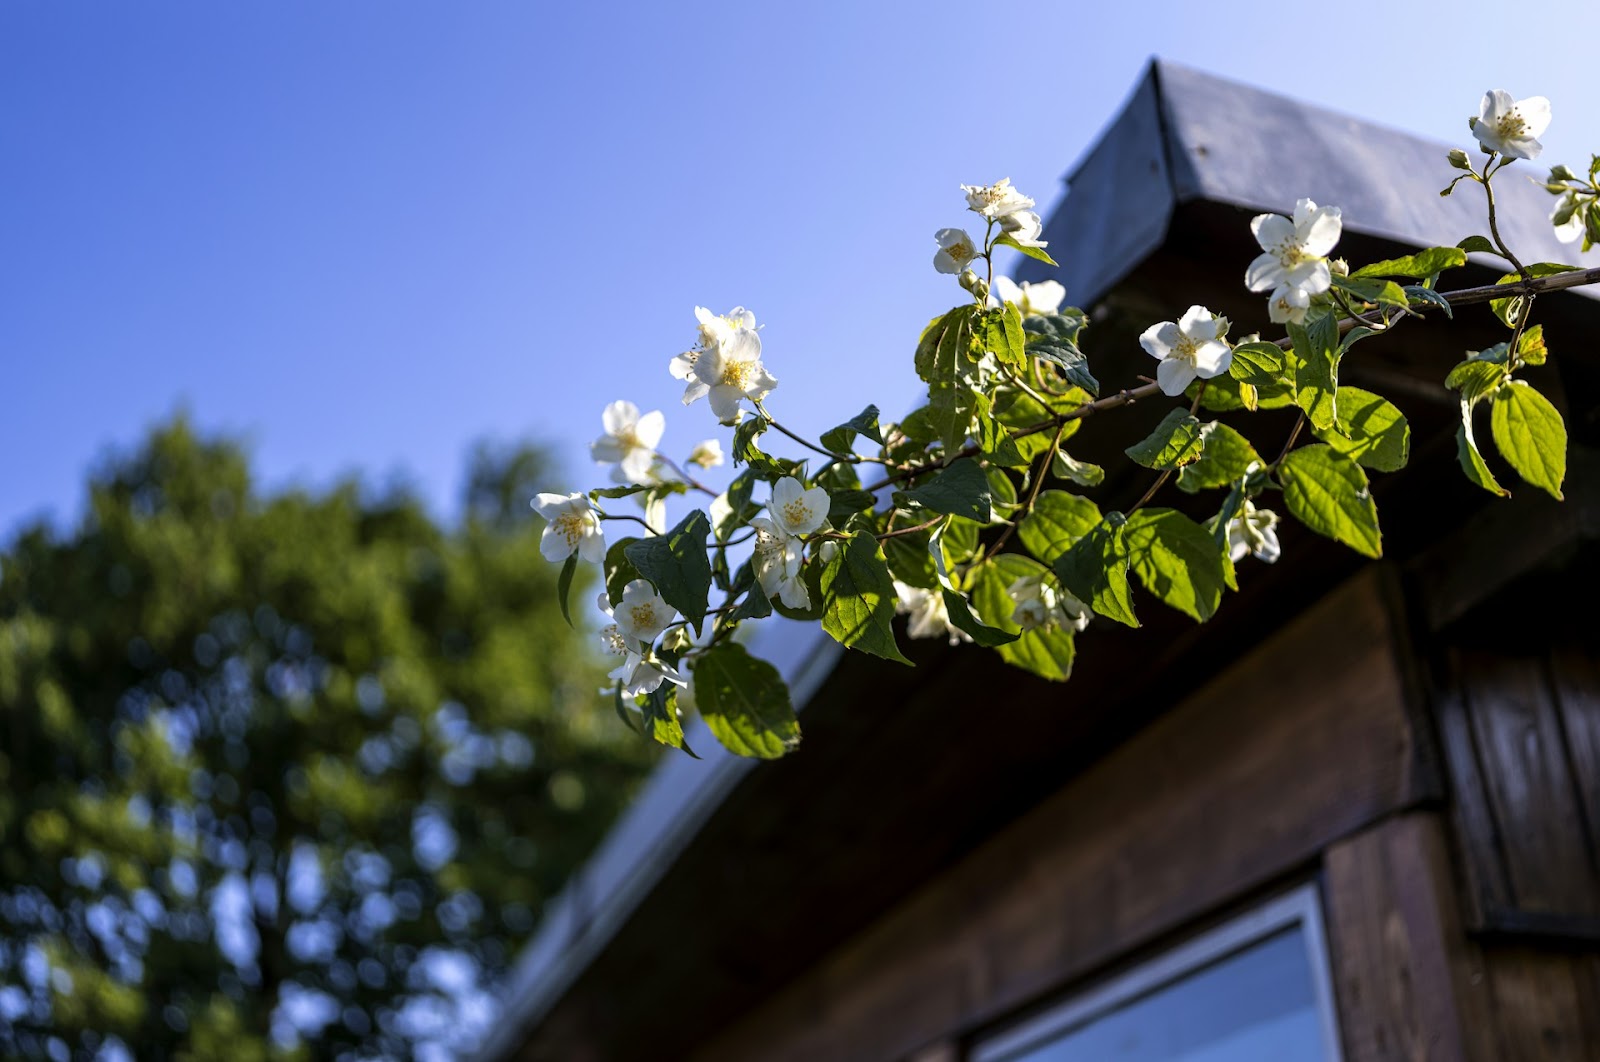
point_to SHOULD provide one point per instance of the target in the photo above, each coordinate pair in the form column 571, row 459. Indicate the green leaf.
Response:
column 744, row 439
column 1417, row 293
column 1419, row 265
column 1370, row 431
column 858, row 598
column 950, row 395
column 1530, row 435
column 909, row 560
column 956, row 606
column 1000, row 332
column 1472, row 462
column 1478, row 244
column 1366, row 289
column 843, row 503
column 755, row 603
column 660, row 711
column 1315, row 360
column 1476, row 378
column 1095, row 570
column 676, row 563
column 960, row 540
column 564, row 585
column 1327, row 492
column 1259, row 364
column 745, row 703
column 1046, row 653
column 1057, row 521
column 1017, row 410
column 1531, row 347
column 1174, row 443
column 619, row 569
column 839, row 440
column 1054, row 338
column 961, row 489
column 1178, row 561
column 620, row 492
column 1511, row 310
column 1080, row 472
column 1002, row 492
column 1224, row 457
column 1038, row 254
column 993, row 439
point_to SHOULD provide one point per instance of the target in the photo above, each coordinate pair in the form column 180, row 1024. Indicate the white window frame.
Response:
column 1300, row 907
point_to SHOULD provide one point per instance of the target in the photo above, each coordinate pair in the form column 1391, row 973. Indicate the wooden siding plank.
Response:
column 1404, row 974
column 1521, row 747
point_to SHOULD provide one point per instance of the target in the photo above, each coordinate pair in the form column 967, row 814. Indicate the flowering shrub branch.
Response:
column 977, row 526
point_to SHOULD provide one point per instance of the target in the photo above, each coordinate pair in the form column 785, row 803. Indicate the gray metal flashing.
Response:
column 675, row 801
column 1184, row 136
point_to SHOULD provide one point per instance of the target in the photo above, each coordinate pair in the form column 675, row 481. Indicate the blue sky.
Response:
column 365, row 234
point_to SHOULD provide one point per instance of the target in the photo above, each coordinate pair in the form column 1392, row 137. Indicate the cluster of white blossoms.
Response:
column 1293, row 264
column 997, row 203
column 1193, row 346
column 792, row 512
column 571, row 526
column 1040, row 606
column 725, row 366
column 638, row 620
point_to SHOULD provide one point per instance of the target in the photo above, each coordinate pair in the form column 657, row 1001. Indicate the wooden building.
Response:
column 1356, row 816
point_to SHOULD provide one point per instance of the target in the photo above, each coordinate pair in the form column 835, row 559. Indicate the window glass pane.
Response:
column 1257, row 1005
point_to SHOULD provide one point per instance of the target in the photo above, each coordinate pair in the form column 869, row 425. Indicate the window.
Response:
column 1253, row 990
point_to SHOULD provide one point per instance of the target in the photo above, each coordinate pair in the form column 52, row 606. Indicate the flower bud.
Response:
column 975, row 284
column 1458, row 159
column 1340, row 267
column 1561, row 173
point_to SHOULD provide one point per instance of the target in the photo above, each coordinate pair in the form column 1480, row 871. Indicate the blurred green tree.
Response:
column 284, row 776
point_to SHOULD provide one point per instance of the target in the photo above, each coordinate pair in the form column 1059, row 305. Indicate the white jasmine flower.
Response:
column 1288, row 305
column 956, row 249
column 1294, row 253
column 777, row 562
column 1188, row 348
column 1252, row 531
column 728, row 367
column 929, row 616
column 995, row 200
column 629, row 442
column 571, row 525
column 642, row 615
column 1032, row 300
column 795, row 510
column 639, row 675
column 707, row 454
column 1569, row 230
column 1024, row 226
column 1511, row 127
column 1040, row 606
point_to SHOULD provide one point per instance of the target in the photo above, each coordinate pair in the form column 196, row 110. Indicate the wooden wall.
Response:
column 1274, row 772
column 1308, row 739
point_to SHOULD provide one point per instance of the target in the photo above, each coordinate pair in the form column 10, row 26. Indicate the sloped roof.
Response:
column 1182, row 138
column 1185, row 136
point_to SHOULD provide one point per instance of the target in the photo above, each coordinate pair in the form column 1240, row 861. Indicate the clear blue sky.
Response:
column 366, row 233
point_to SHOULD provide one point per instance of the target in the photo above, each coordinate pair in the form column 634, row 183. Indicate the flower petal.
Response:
column 650, row 428
column 1264, row 273
column 1211, row 359
column 1197, row 323
column 1322, row 231
column 725, row 403
column 1535, row 111
column 1159, row 339
column 695, row 391
column 1271, row 230
column 1173, row 376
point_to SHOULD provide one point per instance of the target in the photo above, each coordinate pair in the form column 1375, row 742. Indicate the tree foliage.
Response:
column 284, row 775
